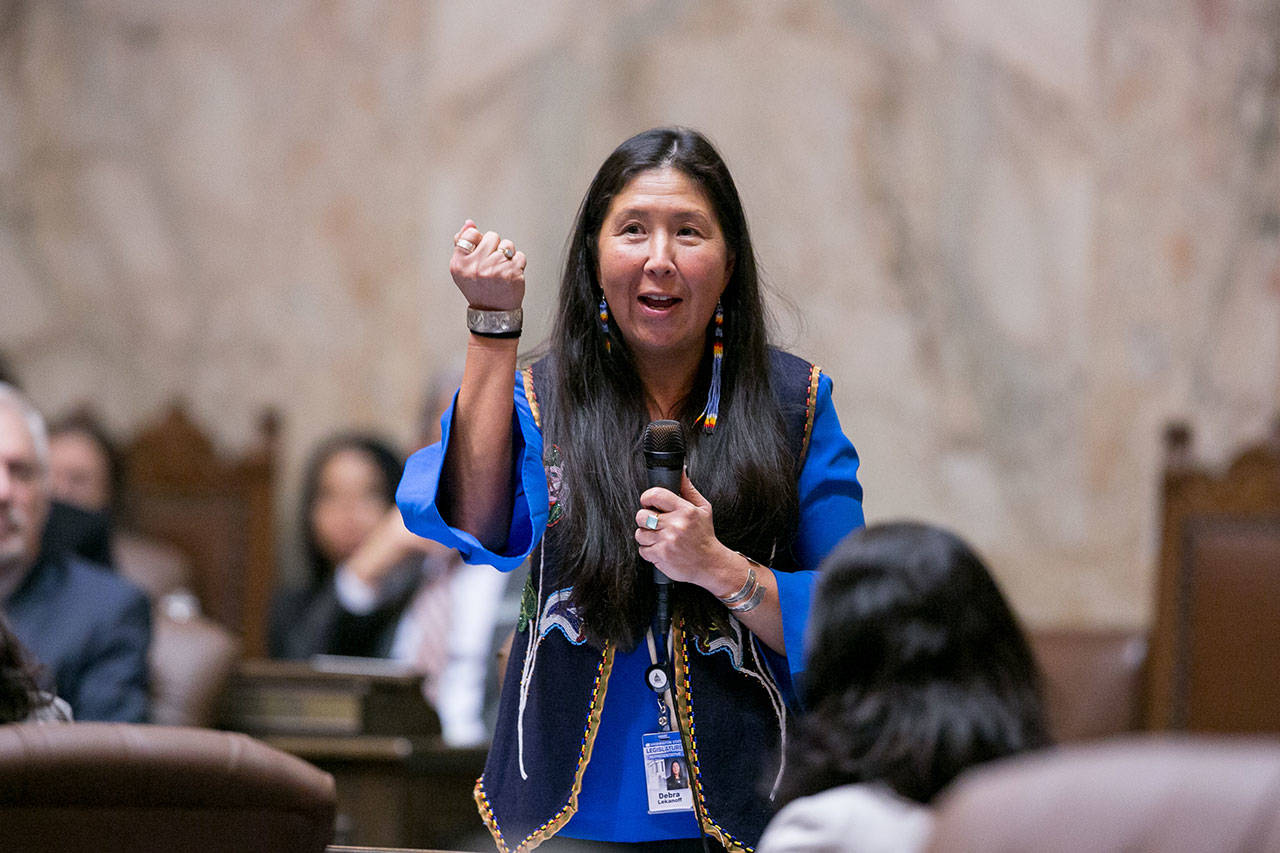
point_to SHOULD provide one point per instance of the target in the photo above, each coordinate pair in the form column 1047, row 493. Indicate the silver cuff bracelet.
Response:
column 745, row 592
column 495, row 324
column 751, row 603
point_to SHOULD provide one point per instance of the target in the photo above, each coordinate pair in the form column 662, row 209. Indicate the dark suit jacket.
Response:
column 91, row 631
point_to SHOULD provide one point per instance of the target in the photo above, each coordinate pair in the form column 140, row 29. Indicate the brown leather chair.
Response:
column 1132, row 794
column 68, row 788
column 191, row 661
column 1092, row 680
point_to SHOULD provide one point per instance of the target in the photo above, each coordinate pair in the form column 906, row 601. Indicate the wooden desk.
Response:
column 366, row 722
column 399, row 791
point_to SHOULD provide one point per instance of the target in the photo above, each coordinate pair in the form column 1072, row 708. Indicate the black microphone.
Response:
column 663, row 446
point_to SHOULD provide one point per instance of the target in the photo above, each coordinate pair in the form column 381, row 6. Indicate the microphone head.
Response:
column 663, row 437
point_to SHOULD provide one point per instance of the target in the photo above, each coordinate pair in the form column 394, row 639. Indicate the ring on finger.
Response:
column 465, row 245
column 508, row 253
column 651, row 521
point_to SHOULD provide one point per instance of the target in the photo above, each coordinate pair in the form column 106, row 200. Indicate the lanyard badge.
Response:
column 666, row 769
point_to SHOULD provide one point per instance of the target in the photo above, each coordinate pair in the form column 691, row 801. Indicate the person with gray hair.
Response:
column 88, row 629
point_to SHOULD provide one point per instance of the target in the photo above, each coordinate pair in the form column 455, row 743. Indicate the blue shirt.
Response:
column 613, row 803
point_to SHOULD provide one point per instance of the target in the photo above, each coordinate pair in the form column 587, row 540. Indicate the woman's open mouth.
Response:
column 656, row 302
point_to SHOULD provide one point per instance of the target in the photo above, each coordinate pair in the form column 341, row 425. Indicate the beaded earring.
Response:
column 712, row 409
column 604, row 324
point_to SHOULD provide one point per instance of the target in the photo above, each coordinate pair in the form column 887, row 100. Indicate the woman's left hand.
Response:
column 684, row 546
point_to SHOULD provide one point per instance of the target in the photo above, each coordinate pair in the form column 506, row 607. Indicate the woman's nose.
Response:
column 661, row 260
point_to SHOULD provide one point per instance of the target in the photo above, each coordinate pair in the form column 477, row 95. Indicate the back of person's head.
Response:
column 377, row 484
column 916, row 669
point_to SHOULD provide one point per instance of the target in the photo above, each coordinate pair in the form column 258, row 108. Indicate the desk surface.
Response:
column 421, row 755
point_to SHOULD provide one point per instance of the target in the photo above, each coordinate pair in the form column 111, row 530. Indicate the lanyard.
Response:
column 658, row 679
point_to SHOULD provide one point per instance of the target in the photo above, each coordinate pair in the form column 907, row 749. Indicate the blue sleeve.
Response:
column 830, row 508
column 419, row 490
column 113, row 685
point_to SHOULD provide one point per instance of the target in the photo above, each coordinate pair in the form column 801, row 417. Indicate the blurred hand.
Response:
column 386, row 547
column 485, row 274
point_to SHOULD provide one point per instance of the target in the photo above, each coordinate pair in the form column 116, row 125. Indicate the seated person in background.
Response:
column 917, row 669
column 378, row 590
column 89, row 629
column 362, row 570
column 84, row 466
column 21, row 699
column 86, row 473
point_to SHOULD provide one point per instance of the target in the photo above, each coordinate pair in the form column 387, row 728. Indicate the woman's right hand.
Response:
column 475, row 485
column 487, row 277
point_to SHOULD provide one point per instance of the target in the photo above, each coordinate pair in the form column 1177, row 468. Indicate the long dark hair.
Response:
column 384, row 459
column 595, row 413
column 917, row 668
column 19, row 691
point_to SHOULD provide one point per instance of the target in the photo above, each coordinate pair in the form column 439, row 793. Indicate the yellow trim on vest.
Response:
column 531, row 395
column 684, row 707
column 570, row 808
column 810, row 405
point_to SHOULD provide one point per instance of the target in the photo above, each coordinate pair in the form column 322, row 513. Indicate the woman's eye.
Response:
column 633, row 228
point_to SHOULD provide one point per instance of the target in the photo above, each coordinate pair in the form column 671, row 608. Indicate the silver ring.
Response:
column 651, row 523
column 465, row 245
column 508, row 253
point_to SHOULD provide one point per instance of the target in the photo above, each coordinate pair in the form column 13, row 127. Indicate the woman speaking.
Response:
column 661, row 317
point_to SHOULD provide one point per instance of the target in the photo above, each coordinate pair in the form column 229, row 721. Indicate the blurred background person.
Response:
column 377, row 590
column 354, row 555
column 87, row 480
column 917, row 670
column 85, row 468
column 89, row 629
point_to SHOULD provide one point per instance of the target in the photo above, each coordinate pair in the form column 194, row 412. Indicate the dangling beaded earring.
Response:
column 712, row 409
column 604, row 325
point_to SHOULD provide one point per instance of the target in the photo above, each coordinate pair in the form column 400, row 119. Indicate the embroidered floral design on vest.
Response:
column 528, row 605
column 554, row 465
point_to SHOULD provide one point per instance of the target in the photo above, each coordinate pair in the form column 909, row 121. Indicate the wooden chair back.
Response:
column 1215, row 647
column 218, row 511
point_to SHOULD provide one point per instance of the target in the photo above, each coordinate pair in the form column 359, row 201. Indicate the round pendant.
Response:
column 657, row 678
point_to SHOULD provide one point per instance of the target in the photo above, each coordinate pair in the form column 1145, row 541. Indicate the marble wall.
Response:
column 1020, row 235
